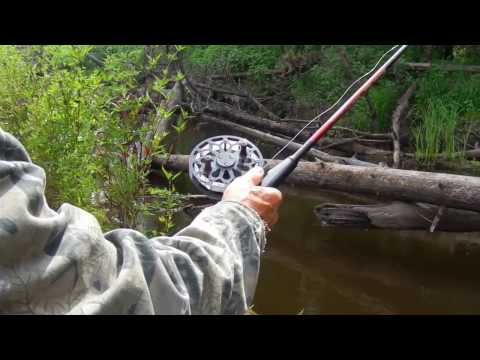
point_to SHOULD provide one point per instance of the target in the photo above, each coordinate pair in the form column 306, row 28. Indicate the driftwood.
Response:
column 242, row 94
column 224, row 111
column 354, row 146
column 396, row 119
column 398, row 216
column 218, row 89
column 363, row 134
column 367, row 153
column 275, row 140
column 299, row 121
column 442, row 67
column 453, row 191
column 262, row 107
column 469, row 154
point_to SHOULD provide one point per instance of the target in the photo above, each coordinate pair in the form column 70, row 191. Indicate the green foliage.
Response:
column 234, row 58
column 127, row 155
column 82, row 125
column 447, row 110
column 456, row 88
column 54, row 115
column 384, row 98
column 323, row 84
column 318, row 86
column 17, row 84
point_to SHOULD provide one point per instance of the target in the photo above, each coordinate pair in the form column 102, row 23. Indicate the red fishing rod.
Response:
column 280, row 172
column 217, row 161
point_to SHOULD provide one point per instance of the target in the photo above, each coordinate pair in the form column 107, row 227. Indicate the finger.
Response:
column 270, row 195
column 254, row 176
column 263, row 206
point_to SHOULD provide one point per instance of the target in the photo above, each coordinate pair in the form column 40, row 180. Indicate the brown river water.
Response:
column 311, row 269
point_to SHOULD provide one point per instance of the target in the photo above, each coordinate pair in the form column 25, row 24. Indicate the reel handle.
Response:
column 276, row 175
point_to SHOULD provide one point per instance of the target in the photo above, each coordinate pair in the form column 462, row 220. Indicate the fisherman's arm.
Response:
column 212, row 265
column 59, row 262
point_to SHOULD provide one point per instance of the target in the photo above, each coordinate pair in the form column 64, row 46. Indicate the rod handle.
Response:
column 276, row 175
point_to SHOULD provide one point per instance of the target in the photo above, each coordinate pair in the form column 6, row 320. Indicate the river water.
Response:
column 311, row 269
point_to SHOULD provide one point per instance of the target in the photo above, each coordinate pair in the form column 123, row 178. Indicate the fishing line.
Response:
column 335, row 104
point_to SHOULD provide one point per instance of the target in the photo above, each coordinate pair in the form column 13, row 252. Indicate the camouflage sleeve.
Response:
column 59, row 262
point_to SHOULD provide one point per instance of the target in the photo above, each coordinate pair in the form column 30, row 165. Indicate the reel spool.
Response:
column 216, row 162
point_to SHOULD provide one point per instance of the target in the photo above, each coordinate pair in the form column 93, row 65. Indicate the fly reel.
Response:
column 216, row 162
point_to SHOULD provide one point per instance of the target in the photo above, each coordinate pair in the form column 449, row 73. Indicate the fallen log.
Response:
column 293, row 146
column 355, row 147
column 222, row 110
column 242, row 94
column 398, row 216
column 363, row 134
column 453, row 191
column 473, row 154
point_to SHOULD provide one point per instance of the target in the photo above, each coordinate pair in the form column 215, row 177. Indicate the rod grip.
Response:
column 276, row 175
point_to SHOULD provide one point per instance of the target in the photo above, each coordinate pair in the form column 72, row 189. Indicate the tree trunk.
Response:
column 453, row 191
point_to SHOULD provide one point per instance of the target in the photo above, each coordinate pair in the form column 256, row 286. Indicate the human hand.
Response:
column 265, row 201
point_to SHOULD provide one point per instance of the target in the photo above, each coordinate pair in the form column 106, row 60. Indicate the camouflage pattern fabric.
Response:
column 60, row 262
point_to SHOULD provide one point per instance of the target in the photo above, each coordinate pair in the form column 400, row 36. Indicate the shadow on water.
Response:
column 344, row 271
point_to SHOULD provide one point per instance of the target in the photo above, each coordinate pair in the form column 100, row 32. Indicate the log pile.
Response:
column 356, row 164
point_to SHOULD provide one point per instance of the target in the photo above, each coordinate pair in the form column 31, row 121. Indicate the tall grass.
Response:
column 448, row 104
column 436, row 132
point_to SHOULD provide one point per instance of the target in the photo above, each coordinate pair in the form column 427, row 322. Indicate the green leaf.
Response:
column 168, row 175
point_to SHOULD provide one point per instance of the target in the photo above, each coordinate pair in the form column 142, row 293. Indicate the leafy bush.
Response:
column 82, row 125
column 53, row 115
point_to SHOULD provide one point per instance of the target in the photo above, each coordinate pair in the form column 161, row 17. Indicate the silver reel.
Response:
column 216, row 162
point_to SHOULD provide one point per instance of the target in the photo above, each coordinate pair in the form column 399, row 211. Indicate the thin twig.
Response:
column 364, row 133
column 436, row 220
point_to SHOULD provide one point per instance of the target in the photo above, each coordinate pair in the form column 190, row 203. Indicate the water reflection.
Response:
column 337, row 271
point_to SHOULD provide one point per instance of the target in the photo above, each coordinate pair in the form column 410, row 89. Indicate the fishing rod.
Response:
column 216, row 162
column 280, row 172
